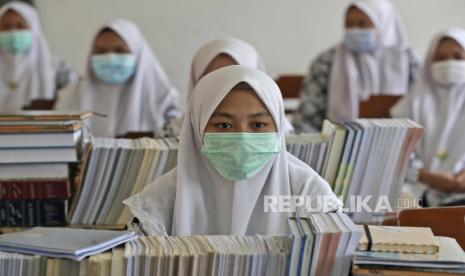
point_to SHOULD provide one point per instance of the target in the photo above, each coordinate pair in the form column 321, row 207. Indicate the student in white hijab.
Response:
column 231, row 155
column 27, row 70
column 374, row 58
column 224, row 52
column 438, row 103
column 220, row 53
column 125, row 82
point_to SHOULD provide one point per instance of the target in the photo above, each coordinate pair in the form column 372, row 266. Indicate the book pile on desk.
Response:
column 115, row 169
column 365, row 158
column 407, row 251
column 37, row 149
column 324, row 243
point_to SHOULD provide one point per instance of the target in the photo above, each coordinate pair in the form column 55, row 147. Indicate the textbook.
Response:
column 323, row 244
column 47, row 139
column 398, row 239
column 115, row 169
column 309, row 148
column 34, row 171
column 46, row 115
column 27, row 213
column 35, row 189
column 450, row 258
column 68, row 243
column 39, row 152
column 39, row 126
column 364, row 158
column 331, row 246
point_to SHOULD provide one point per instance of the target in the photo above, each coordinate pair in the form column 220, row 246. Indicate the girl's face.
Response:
column 241, row 111
column 110, row 42
column 356, row 18
column 448, row 49
column 220, row 61
column 13, row 21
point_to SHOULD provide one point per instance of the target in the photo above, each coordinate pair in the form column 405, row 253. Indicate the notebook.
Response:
column 398, row 239
column 67, row 243
column 46, row 115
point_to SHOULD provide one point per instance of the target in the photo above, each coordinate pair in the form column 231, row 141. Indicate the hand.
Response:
column 445, row 182
column 460, row 176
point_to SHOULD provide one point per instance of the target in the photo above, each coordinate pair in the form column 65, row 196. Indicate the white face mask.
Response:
column 449, row 72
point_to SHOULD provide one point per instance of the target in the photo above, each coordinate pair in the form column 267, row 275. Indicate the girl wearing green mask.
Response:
column 27, row 69
column 232, row 157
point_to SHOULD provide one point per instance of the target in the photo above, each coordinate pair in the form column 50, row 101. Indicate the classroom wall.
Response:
column 288, row 33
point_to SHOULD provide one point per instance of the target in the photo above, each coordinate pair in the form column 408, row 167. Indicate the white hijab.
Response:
column 242, row 52
column 204, row 201
column 355, row 78
column 441, row 111
column 144, row 103
column 33, row 73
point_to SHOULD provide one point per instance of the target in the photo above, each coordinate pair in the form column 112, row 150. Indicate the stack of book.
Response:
column 407, row 251
column 36, row 149
column 115, row 169
column 323, row 244
column 56, row 251
column 367, row 158
column 321, row 241
column 310, row 148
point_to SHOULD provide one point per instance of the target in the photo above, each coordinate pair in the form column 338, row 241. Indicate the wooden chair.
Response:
column 40, row 104
column 377, row 106
column 290, row 86
column 444, row 221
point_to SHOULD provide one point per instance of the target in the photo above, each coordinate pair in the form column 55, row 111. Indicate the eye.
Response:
column 259, row 125
column 224, row 125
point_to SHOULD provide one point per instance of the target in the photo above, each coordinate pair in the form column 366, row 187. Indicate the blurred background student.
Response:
column 224, row 52
column 125, row 82
column 437, row 102
column 28, row 70
column 374, row 58
column 220, row 53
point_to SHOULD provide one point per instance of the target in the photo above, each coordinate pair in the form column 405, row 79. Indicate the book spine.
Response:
column 35, row 189
column 27, row 213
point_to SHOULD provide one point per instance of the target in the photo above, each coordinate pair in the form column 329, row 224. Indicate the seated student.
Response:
column 231, row 155
column 438, row 103
column 124, row 81
column 27, row 68
column 220, row 53
column 374, row 58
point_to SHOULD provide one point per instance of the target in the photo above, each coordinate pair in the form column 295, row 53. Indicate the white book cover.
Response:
column 69, row 243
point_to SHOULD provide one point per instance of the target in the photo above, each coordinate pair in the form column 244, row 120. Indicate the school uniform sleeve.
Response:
column 154, row 205
column 66, row 98
column 314, row 94
column 65, row 74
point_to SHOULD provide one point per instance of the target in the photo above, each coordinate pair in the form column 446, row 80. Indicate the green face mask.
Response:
column 16, row 42
column 239, row 156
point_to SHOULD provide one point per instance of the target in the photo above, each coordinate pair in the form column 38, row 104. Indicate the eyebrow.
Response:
column 228, row 115
column 258, row 114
